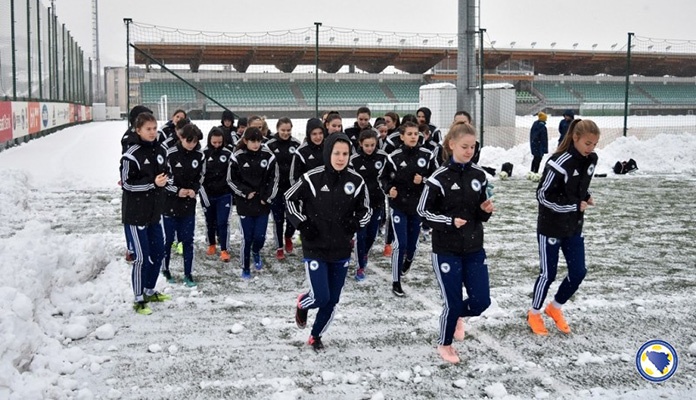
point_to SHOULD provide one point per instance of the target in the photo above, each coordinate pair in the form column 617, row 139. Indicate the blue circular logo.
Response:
column 657, row 360
column 44, row 115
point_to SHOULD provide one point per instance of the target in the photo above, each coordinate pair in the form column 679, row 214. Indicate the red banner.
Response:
column 34, row 118
column 5, row 121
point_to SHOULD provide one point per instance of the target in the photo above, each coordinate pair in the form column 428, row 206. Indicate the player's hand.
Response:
column 487, row 206
column 161, row 180
column 459, row 222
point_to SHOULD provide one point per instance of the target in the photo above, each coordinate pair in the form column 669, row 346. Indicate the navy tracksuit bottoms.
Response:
column 148, row 249
column 180, row 228
column 573, row 248
column 217, row 217
column 253, row 236
column 326, row 279
column 454, row 272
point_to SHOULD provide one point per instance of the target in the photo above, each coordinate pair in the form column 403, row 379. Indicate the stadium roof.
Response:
column 413, row 60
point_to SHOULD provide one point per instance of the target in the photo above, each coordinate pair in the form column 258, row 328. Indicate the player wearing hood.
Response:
column 568, row 117
column 423, row 114
column 310, row 154
column 227, row 127
column 328, row 205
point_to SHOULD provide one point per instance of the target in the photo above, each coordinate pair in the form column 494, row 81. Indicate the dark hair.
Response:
column 394, row 116
column 332, row 116
column 252, row 134
column 577, row 128
column 283, row 120
column 190, row 132
column 214, row 132
column 144, row 117
column 367, row 134
column 182, row 122
column 422, row 128
column 363, row 110
column 464, row 113
column 326, row 115
column 409, row 118
column 179, row 110
column 457, row 130
column 407, row 124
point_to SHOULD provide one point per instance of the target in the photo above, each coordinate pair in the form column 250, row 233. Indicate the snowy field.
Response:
column 67, row 329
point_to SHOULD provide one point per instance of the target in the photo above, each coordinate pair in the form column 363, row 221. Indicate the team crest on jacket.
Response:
column 160, row 159
column 223, row 158
column 476, row 185
column 422, row 162
column 445, row 268
column 314, row 265
column 194, row 164
column 349, row 188
column 590, row 170
column 552, row 241
column 378, row 164
column 397, row 219
column 264, row 163
column 292, row 150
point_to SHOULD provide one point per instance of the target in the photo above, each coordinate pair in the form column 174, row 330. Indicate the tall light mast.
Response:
column 95, row 49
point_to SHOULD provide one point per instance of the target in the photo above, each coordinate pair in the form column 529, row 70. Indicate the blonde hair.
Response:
column 457, row 130
column 577, row 128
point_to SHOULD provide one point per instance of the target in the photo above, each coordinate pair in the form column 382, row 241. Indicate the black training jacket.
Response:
column 455, row 191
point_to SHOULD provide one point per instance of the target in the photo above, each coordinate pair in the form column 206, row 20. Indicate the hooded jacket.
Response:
column 353, row 134
column 435, row 133
column 309, row 155
column 539, row 138
column 455, row 191
column 142, row 201
column 186, row 169
column 401, row 167
column 328, row 199
column 563, row 185
column 253, row 171
column 565, row 124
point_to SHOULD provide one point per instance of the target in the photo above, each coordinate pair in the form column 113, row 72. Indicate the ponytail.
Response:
column 457, row 130
column 577, row 128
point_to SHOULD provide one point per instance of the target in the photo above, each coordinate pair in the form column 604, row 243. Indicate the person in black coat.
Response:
column 568, row 117
column 538, row 141
column 283, row 146
column 216, row 193
column 423, row 114
column 402, row 181
column 227, row 127
column 328, row 205
column 144, row 176
column 310, row 154
column 253, row 176
column 563, row 195
column 455, row 205
column 169, row 127
column 362, row 122
column 185, row 164
column 368, row 161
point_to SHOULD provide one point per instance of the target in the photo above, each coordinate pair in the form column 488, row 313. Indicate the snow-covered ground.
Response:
column 67, row 329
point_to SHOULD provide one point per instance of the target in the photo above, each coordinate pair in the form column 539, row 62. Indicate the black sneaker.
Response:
column 406, row 267
column 316, row 343
column 168, row 276
column 300, row 314
column 396, row 288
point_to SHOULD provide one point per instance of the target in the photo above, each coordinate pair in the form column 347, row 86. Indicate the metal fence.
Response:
column 39, row 59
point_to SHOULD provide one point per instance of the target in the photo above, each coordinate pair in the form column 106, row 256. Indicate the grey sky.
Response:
column 586, row 22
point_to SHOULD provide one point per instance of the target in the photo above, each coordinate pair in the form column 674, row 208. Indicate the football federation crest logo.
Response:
column 378, row 164
column 194, row 164
column 223, row 159
column 657, row 360
column 445, row 268
column 349, row 188
column 160, row 159
column 422, row 162
column 590, row 170
column 314, row 265
column 264, row 163
column 476, row 185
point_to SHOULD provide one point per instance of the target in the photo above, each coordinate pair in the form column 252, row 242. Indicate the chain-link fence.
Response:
column 39, row 59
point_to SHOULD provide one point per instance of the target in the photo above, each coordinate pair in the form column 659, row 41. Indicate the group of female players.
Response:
column 335, row 188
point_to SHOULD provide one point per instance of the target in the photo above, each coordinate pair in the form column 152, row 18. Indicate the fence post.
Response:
column 127, row 21
column 481, row 32
column 628, row 76
column 29, row 91
column 38, row 41
column 14, row 56
column 316, row 70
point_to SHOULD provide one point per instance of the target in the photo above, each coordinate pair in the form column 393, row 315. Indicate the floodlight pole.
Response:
column 316, row 70
column 628, row 75
column 481, row 82
column 128, row 21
